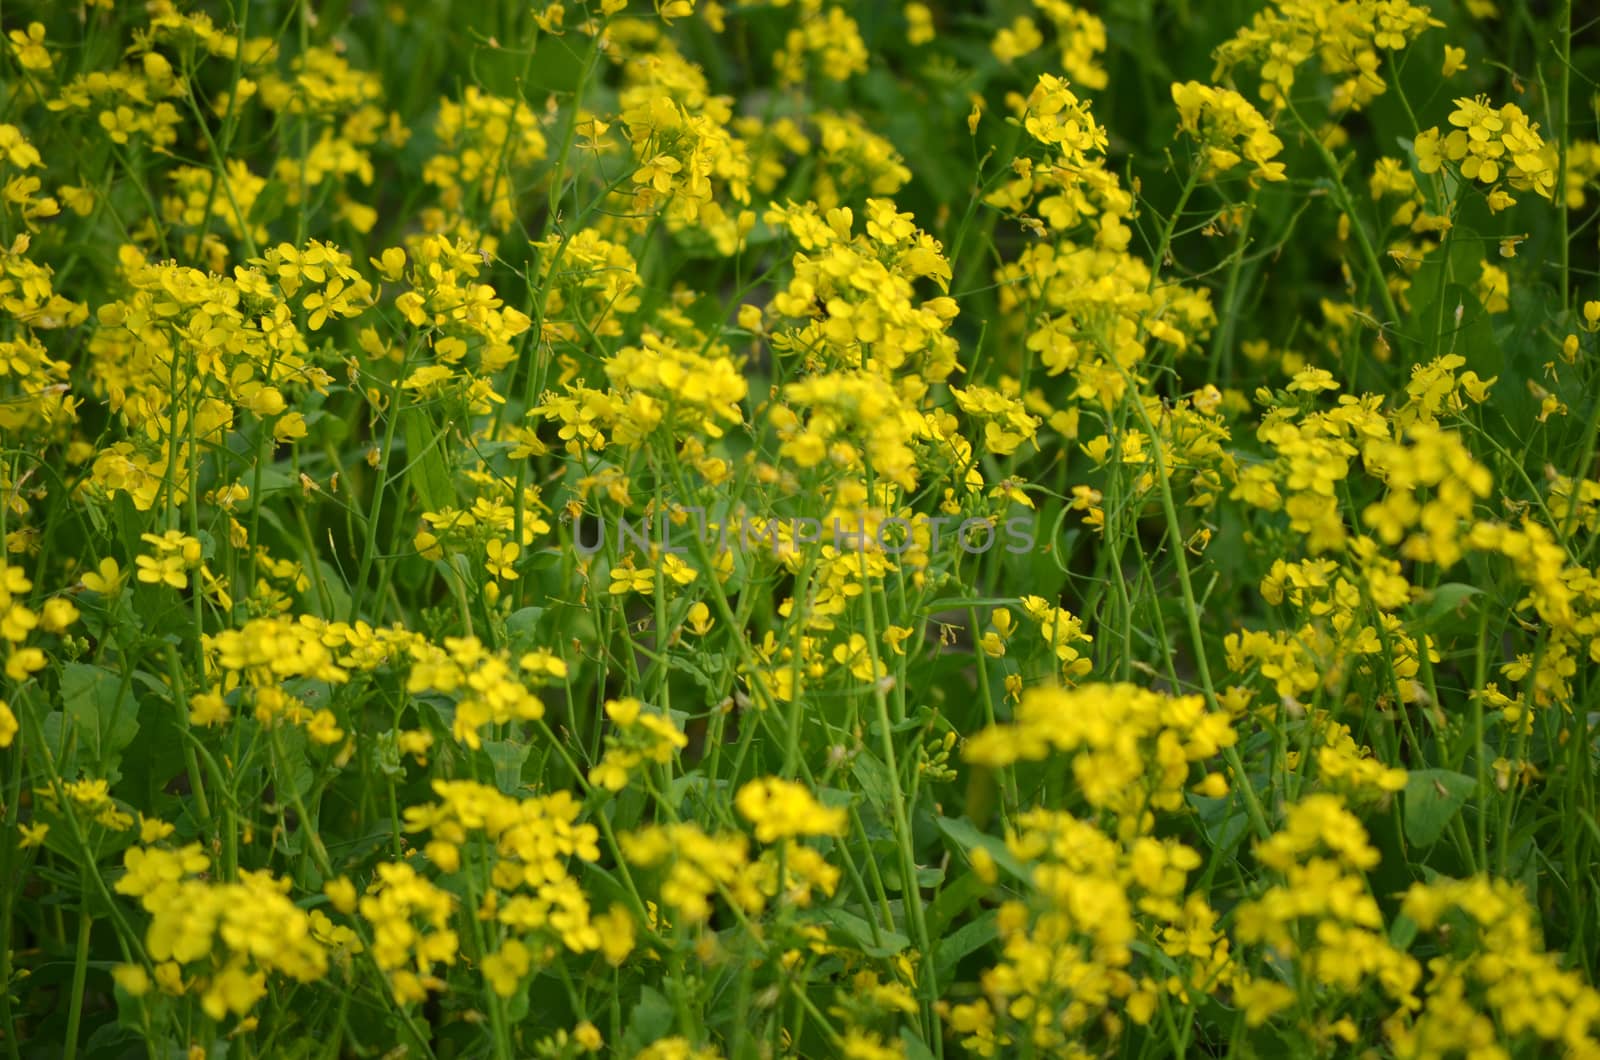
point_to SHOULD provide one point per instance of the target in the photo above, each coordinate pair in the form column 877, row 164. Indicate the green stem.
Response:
column 1561, row 134
column 1191, row 610
column 80, row 971
column 375, row 509
column 1341, row 196
column 1221, row 360
column 319, row 856
column 909, row 890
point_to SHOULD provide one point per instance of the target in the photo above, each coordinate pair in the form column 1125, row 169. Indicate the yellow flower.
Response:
column 628, row 579
column 234, row 990
column 28, row 47
column 587, row 1035
column 1429, row 150
column 856, row 656
column 207, row 709
column 617, row 932
column 392, row 265
column 1229, row 129
column 323, row 728
column 983, row 865
column 106, row 579
column 1493, row 288
column 153, row 829
column 699, row 620
column 895, row 637
column 501, row 556
column 676, row 570
column 919, row 23
column 505, row 969
column 169, row 977
column 341, row 893
column 23, row 662
column 781, row 809
column 175, row 553
column 416, row 743
column 1312, row 380
column 58, row 613
column 671, row 9
column 132, row 978
column 1020, row 38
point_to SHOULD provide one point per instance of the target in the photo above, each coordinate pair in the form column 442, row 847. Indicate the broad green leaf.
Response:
column 508, row 757
column 1432, row 797
column 952, row 900
column 916, row 1048
column 652, row 1017
column 966, row 939
column 102, row 711
column 1450, row 600
column 296, row 762
column 426, row 468
column 1402, row 932
column 859, row 932
column 966, row 838
column 874, row 778
column 522, row 628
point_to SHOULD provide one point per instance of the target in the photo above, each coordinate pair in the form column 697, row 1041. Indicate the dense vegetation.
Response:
column 799, row 528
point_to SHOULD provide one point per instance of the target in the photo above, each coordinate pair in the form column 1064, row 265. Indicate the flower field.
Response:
column 680, row 530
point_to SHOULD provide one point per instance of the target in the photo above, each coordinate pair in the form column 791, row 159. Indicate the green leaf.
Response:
column 652, row 1017
column 859, row 932
column 953, row 900
column 968, row 938
column 521, row 1001
column 117, row 1039
column 1433, row 796
column 916, row 1048
column 874, row 778
column 337, row 600
column 522, row 629
column 296, row 762
column 508, row 757
column 1225, row 822
column 927, row 875
column 1402, row 932
column 1445, row 602
column 966, row 837
column 102, row 711
column 426, row 468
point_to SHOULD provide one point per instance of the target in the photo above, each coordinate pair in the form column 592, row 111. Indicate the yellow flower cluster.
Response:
column 1229, row 130
column 698, row 868
column 1055, row 595
column 219, row 940
column 783, row 809
column 640, row 736
column 1347, row 38
column 1492, row 146
column 1131, row 749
